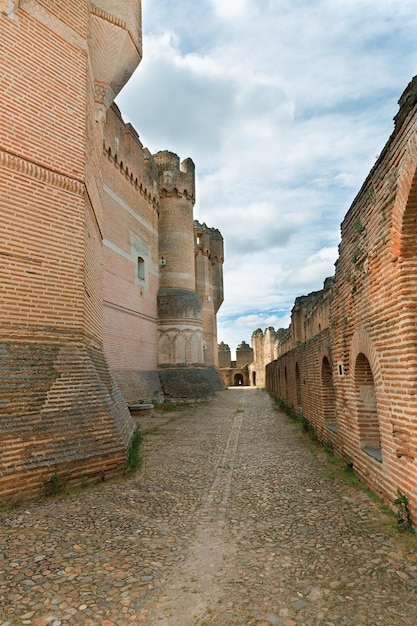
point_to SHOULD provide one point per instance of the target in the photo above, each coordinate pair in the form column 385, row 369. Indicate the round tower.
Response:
column 180, row 335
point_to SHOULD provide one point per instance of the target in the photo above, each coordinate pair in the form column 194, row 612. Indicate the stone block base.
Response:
column 136, row 386
column 190, row 383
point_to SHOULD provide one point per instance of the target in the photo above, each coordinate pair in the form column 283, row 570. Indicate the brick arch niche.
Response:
column 328, row 395
column 285, row 384
column 408, row 252
column 408, row 248
column 299, row 397
column 366, row 406
column 238, row 380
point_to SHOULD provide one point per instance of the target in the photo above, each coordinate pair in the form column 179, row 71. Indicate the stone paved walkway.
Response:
column 232, row 520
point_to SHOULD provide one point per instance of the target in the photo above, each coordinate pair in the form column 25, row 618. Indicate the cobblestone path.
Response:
column 234, row 519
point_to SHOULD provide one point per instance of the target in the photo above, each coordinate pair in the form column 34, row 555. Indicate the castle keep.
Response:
column 101, row 279
column 348, row 362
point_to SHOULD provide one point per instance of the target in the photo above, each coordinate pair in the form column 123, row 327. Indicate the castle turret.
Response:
column 180, row 325
column 180, row 335
column 209, row 284
column 244, row 354
column 176, row 235
column 224, row 355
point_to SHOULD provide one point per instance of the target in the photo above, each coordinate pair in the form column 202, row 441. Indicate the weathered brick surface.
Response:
column 300, row 378
column 183, row 383
column 361, row 389
column 60, row 409
column 49, row 396
column 374, row 312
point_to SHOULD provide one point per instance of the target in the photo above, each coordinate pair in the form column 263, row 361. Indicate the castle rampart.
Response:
column 235, row 373
column 131, row 260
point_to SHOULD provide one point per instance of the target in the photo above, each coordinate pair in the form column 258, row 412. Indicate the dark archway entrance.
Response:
column 238, row 380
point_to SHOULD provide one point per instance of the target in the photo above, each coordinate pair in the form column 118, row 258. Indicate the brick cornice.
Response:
column 33, row 170
column 95, row 10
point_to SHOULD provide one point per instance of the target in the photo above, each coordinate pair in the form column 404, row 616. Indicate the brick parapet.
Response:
column 175, row 179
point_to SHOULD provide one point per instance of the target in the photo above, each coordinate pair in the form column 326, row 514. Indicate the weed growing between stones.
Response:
column 403, row 513
column 359, row 227
column 54, row 486
column 335, row 467
column 134, row 458
column 297, row 416
column 168, row 405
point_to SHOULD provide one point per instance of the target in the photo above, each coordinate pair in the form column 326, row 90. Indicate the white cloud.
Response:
column 231, row 9
column 312, row 271
column 284, row 107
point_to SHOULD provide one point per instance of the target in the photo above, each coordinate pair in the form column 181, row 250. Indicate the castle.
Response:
column 109, row 288
column 348, row 362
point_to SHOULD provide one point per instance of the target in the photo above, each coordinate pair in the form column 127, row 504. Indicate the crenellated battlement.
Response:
column 175, row 179
column 144, row 189
column 209, row 242
column 122, row 147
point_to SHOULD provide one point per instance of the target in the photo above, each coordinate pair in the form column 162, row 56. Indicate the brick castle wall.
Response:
column 60, row 409
column 356, row 381
column 131, row 261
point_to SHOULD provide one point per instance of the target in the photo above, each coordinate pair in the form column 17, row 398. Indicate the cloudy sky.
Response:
column 284, row 106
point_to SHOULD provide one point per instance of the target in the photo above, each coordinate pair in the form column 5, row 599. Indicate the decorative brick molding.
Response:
column 49, row 177
column 104, row 15
column 133, row 178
